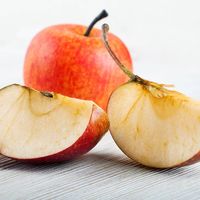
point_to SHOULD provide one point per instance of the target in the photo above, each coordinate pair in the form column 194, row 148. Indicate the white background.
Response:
column 163, row 36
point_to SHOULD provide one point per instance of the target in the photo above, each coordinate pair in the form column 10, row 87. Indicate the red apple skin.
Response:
column 62, row 60
column 193, row 160
column 97, row 127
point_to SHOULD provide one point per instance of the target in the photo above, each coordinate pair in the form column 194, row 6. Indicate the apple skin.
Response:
column 62, row 60
column 193, row 160
column 97, row 127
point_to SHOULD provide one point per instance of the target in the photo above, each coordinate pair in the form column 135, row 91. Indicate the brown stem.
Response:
column 156, row 89
column 133, row 77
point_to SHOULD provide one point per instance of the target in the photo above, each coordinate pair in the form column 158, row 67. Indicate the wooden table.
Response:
column 104, row 173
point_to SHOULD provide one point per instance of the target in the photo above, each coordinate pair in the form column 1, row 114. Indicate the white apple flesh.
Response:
column 157, row 127
column 156, row 131
column 38, row 129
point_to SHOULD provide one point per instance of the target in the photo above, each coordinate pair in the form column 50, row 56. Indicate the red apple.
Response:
column 43, row 127
column 72, row 60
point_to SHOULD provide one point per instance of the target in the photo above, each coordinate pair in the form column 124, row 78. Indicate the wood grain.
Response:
column 104, row 173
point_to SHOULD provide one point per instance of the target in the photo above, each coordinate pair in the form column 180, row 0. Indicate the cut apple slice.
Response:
column 157, row 127
column 43, row 127
column 157, row 132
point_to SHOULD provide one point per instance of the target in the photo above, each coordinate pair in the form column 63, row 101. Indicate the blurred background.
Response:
column 162, row 36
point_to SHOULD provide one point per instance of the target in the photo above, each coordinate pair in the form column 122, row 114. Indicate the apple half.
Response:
column 41, row 127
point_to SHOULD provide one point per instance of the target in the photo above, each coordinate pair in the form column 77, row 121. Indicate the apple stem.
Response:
column 102, row 15
column 133, row 77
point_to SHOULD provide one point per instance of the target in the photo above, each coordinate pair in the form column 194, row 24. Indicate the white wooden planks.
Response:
column 104, row 173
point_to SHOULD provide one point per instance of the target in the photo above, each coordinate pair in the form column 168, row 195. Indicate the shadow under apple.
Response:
column 96, row 162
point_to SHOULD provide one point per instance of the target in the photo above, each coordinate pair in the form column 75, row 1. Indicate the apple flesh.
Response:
column 40, row 127
column 61, row 59
column 158, row 128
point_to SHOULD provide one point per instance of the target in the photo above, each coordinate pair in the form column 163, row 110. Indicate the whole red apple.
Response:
column 72, row 60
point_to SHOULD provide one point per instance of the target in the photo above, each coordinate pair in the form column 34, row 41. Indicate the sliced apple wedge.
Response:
column 157, row 127
column 43, row 127
column 156, row 131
